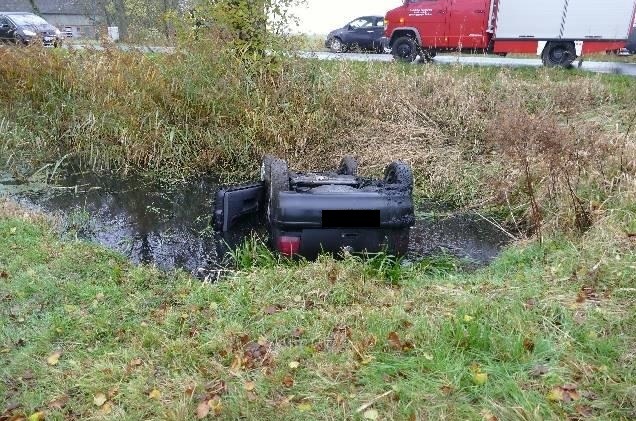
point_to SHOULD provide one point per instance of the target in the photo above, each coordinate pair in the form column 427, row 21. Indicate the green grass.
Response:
column 127, row 331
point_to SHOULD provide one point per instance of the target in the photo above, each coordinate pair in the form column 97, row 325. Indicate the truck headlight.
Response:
column 29, row 33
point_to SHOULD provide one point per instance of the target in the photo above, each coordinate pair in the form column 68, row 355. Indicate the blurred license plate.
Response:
column 48, row 39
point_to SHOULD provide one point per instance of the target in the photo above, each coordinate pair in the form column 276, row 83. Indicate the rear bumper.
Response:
column 334, row 241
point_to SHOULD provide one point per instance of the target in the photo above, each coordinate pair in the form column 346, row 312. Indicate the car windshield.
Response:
column 361, row 23
column 28, row 20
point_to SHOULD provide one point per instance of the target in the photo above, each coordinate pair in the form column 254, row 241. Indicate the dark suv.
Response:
column 26, row 28
column 308, row 213
column 364, row 33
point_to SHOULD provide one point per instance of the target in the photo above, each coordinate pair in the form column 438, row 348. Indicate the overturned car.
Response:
column 308, row 213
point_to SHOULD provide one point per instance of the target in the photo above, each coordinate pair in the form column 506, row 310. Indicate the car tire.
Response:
column 348, row 166
column 405, row 49
column 559, row 54
column 337, row 46
column 278, row 182
column 399, row 175
column 266, row 164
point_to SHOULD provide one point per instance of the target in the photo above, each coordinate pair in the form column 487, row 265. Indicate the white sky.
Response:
column 323, row 16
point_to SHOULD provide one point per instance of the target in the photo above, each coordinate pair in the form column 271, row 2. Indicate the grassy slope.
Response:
column 333, row 318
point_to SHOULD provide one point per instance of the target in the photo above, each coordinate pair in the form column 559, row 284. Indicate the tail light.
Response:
column 288, row 246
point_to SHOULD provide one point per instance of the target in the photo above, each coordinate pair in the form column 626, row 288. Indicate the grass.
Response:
column 319, row 340
column 545, row 332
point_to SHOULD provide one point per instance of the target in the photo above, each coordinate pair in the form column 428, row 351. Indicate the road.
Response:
column 590, row 66
column 618, row 68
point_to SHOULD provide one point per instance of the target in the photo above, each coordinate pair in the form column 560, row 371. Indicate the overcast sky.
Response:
column 323, row 16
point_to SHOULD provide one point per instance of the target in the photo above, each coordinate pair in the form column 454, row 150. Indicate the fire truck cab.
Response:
column 557, row 30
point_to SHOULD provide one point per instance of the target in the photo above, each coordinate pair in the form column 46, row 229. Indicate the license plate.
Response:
column 48, row 39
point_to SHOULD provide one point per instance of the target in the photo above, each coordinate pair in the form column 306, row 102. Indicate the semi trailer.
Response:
column 558, row 31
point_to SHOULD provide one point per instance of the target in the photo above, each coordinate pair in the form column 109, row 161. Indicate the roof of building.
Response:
column 49, row 7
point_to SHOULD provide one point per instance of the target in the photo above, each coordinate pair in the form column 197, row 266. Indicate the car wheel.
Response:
column 405, row 49
column 348, row 166
column 278, row 182
column 559, row 54
column 337, row 46
column 399, row 175
column 266, row 164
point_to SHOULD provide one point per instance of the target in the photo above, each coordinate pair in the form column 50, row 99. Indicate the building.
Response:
column 78, row 17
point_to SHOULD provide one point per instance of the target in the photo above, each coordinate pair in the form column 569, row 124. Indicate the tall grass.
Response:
column 539, row 142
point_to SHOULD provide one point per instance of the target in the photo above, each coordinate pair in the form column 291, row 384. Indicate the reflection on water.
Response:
column 169, row 224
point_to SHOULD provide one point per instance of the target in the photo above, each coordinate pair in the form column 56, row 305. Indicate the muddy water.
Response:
column 169, row 224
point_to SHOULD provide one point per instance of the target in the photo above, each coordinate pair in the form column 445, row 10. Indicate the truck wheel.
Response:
column 348, row 166
column 405, row 49
column 399, row 174
column 278, row 182
column 559, row 54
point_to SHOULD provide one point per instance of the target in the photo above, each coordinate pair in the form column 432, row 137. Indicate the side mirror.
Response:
column 349, row 28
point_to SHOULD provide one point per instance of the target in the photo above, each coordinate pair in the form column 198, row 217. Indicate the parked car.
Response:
column 558, row 31
column 308, row 213
column 365, row 33
column 27, row 28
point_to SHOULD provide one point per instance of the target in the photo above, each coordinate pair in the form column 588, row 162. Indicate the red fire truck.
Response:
column 557, row 30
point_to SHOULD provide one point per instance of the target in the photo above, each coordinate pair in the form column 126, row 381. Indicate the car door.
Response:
column 378, row 32
column 6, row 30
column 468, row 23
column 429, row 17
column 360, row 33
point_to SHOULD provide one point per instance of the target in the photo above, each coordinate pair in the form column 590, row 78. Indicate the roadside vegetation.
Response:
column 547, row 331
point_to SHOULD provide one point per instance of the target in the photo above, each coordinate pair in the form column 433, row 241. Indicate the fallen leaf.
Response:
column 154, row 394
column 447, row 390
column 203, row 409
column 528, row 344
column 565, row 393
column 135, row 363
column 249, row 386
column 216, row 406
column 371, row 414
column 252, row 397
column 54, row 358
column 4, row 275
column 555, row 395
column 13, row 231
column 294, row 365
column 304, row 406
column 37, row 416
column 27, row 375
column 539, row 370
column 427, row 356
column 394, row 341
column 113, row 392
column 190, row 389
column 468, row 318
column 99, row 399
column 288, row 381
column 271, row 310
column 297, row 333
column 106, row 409
column 480, row 378
column 59, row 402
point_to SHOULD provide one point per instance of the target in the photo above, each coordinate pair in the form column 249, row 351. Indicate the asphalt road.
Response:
column 590, row 66
column 470, row 60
